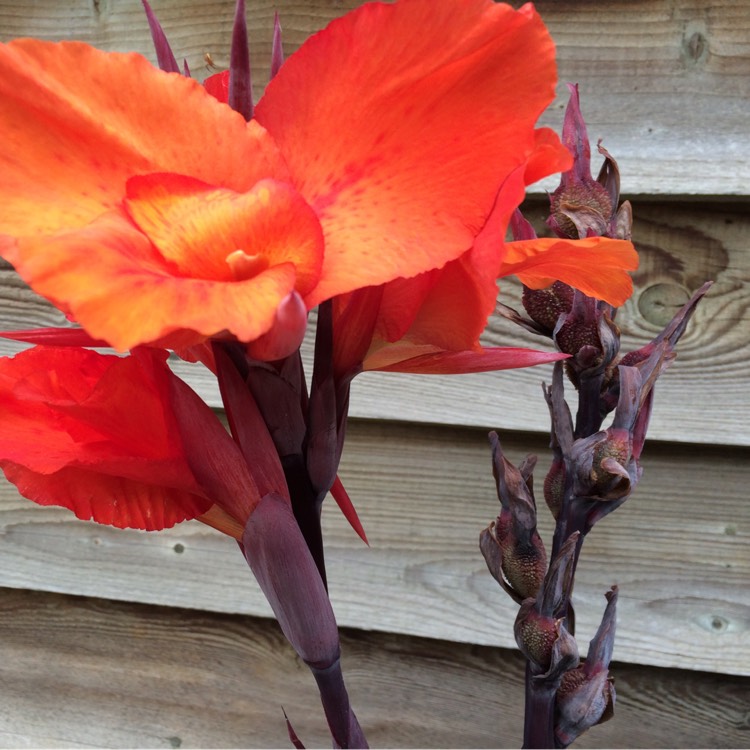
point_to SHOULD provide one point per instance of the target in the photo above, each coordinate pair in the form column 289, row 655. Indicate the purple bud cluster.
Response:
column 594, row 468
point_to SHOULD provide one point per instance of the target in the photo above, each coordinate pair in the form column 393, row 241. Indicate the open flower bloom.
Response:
column 72, row 436
column 151, row 213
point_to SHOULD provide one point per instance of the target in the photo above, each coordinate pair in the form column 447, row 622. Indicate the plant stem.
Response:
column 539, row 718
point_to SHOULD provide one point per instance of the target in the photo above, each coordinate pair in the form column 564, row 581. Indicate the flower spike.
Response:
column 164, row 55
column 240, row 83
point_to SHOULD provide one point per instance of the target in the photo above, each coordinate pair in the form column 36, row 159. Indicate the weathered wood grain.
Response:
column 664, row 83
column 703, row 398
column 678, row 550
column 79, row 672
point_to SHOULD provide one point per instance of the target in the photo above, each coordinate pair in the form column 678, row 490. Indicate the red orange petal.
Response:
column 110, row 500
column 109, row 277
column 71, row 437
column 402, row 147
column 485, row 360
column 76, row 123
column 597, row 266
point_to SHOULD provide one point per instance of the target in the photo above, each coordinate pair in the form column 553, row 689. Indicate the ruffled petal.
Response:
column 401, row 147
column 109, row 277
column 217, row 234
column 596, row 266
column 76, row 123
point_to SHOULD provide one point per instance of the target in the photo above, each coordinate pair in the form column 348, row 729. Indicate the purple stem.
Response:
column 539, row 713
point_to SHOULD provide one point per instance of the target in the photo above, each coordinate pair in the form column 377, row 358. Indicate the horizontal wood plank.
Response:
column 678, row 550
column 663, row 83
column 702, row 398
column 91, row 673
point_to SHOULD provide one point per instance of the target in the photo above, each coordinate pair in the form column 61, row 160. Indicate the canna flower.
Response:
column 152, row 213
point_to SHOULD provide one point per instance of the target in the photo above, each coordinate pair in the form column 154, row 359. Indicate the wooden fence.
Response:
column 128, row 639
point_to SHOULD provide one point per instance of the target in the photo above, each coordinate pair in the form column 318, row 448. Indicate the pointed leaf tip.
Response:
column 240, row 83
column 341, row 496
column 294, row 739
column 164, row 55
column 277, row 51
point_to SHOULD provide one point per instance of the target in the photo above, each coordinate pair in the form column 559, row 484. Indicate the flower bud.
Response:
column 540, row 629
column 586, row 695
column 511, row 546
column 545, row 306
column 582, row 206
column 554, row 487
column 601, row 464
column 589, row 334
column 286, row 334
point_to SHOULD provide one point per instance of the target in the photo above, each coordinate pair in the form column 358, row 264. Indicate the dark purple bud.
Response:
column 536, row 635
column 545, row 642
column 278, row 395
column 586, row 696
column 589, row 334
column 581, row 207
column 545, row 306
column 605, row 466
column 554, row 486
column 539, row 629
column 280, row 560
column 240, row 84
column 522, row 558
column 164, row 55
column 323, row 442
column 600, row 462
